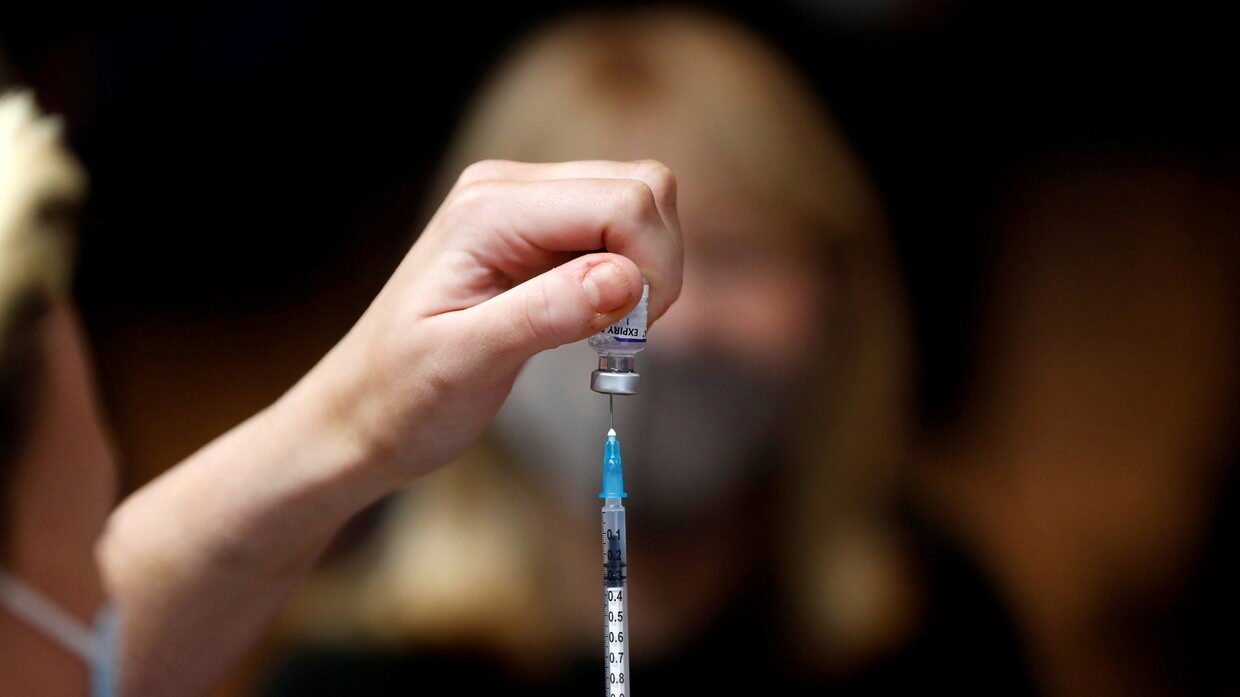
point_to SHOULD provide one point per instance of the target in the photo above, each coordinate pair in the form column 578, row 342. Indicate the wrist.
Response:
column 343, row 464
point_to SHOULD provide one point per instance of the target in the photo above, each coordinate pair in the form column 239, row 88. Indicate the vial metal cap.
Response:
column 615, row 375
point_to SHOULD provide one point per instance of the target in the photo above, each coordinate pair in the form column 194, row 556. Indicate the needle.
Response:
column 611, row 408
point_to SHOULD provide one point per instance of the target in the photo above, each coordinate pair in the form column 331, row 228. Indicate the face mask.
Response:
column 97, row 645
column 698, row 431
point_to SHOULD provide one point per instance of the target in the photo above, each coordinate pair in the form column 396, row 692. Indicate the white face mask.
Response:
column 97, row 645
column 696, row 433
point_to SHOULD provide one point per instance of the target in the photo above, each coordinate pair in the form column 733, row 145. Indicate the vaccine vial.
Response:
column 617, row 348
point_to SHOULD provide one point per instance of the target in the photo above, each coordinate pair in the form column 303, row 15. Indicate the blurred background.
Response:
column 983, row 436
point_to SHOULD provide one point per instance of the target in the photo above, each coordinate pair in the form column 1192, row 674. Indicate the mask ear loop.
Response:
column 105, row 670
column 42, row 614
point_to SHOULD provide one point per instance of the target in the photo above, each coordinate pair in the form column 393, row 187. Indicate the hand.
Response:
column 200, row 559
column 505, row 269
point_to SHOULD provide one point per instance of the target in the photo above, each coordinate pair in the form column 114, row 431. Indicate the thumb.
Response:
column 566, row 304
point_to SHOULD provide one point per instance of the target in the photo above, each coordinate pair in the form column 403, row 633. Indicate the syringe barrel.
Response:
column 615, row 599
column 615, row 544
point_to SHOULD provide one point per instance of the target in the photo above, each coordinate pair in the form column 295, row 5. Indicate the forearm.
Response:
column 200, row 560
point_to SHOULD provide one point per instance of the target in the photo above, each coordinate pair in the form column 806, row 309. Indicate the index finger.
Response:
column 522, row 228
column 653, row 173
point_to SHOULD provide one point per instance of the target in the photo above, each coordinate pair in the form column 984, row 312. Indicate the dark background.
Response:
column 257, row 169
column 240, row 150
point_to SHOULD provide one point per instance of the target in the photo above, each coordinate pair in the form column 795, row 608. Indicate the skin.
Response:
column 201, row 559
column 46, row 548
column 748, row 265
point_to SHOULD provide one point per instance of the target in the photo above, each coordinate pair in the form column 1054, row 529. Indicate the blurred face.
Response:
column 753, row 287
column 720, row 373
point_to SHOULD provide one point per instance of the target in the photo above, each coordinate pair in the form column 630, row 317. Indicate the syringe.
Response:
column 615, row 572
column 617, row 347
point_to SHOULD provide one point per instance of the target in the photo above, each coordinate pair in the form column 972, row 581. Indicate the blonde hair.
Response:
column 37, row 175
column 591, row 87
column 669, row 80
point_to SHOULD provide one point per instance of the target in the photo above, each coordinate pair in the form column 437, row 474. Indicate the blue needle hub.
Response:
column 613, row 468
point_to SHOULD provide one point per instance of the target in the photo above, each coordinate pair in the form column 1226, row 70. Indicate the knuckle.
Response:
column 533, row 316
column 658, row 176
column 635, row 202
column 472, row 196
column 480, row 171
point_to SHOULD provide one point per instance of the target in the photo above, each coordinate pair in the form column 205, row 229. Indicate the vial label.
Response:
column 631, row 329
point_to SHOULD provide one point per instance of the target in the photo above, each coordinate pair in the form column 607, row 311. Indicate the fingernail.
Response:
column 605, row 287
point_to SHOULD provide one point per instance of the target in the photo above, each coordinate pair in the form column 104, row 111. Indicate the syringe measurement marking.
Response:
column 615, row 597
column 616, row 648
column 614, row 589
